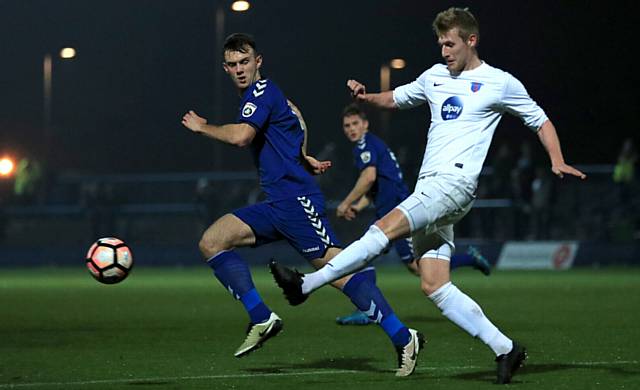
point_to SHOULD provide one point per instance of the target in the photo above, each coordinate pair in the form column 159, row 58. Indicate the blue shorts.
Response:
column 404, row 249
column 299, row 220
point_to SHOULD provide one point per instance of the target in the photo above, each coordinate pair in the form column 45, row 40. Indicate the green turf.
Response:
column 178, row 328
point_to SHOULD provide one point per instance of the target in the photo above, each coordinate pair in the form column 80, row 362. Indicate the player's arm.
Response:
column 549, row 139
column 303, row 124
column 238, row 134
column 312, row 165
column 352, row 212
column 363, row 185
column 380, row 100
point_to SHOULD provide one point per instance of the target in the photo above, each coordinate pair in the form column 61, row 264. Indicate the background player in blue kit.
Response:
column 381, row 182
column 294, row 209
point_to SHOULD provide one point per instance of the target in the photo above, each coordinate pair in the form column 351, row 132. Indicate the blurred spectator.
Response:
column 521, row 184
column 541, row 194
column 98, row 201
column 502, row 165
column 624, row 171
column 206, row 201
column 28, row 181
column 624, row 218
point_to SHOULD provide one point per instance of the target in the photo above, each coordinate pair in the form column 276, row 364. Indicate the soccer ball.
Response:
column 109, row 260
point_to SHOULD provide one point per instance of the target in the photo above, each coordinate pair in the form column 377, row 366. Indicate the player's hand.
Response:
column 193, row 122
column 342, row 210
column 358, row 90
column 351, row 213
column 316, row 167
column 346, row 211
column 562, row 169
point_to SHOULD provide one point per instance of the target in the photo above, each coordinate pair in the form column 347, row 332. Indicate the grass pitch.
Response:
column 178, row 329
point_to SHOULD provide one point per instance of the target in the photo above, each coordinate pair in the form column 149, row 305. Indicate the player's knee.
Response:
column 429, row 286
column 340, row 283
column 209, row 246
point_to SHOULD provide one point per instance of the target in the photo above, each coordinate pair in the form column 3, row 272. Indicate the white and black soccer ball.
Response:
column 109, row 260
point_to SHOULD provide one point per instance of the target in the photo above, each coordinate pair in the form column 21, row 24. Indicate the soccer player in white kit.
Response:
column 467, row 98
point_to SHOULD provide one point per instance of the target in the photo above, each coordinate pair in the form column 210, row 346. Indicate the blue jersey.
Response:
column 277, row 145
column 389, row 188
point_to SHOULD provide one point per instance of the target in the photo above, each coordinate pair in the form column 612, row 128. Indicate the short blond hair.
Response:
column 454, row 17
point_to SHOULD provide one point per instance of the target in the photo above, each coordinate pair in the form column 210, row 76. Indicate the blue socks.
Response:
column 234, row 274
column 462, row 260
column 363, row 292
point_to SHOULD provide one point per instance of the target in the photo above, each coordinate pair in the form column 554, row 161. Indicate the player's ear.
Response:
column 258, row 61
column 225, row 67
column 472, row 41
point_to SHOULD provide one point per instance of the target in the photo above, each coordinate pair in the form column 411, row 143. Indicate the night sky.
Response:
column 142, row 63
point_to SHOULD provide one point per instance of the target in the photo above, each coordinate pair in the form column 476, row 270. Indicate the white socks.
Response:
column 465, row 312
column 351, row 259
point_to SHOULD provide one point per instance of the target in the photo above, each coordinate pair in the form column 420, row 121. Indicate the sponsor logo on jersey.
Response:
column 451, row 108
column 248, row 109
column 365, row 157
column 475, row 87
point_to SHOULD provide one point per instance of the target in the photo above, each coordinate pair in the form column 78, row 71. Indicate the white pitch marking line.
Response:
column 263, row 375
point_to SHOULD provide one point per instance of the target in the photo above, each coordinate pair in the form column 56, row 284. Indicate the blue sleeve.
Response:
column 365, row 157
column 256, row 109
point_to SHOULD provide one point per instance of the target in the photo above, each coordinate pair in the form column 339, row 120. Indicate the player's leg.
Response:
column 404, row 250
column 306, row 227
column 432, row 200
column 445, row 197
column 217, row 247
column 360, row 252
column 367, row 297
column 358, row 317
column 471, row 258
column 460, row 308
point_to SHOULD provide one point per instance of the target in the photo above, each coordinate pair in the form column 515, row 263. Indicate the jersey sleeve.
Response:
column 412, row 94
column 257, row 107
column 365, row 157
column 517, row 101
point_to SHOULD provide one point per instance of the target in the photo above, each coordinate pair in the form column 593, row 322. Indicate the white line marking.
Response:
column 265, row 375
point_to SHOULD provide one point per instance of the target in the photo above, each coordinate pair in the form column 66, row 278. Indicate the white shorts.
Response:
column 438, row 202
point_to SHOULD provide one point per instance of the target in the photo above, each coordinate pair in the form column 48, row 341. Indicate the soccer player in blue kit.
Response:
column 381, row 182
column 467, row 98
column 294, row 209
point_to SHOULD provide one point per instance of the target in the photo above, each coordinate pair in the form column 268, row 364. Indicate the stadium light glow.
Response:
column 240, row 6
column 68, row 53
column 398, row 63
column 6, row 167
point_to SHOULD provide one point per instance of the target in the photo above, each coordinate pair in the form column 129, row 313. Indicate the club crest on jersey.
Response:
column 451, row 108
column 365, row 157
column 475, row 87
column 248, row 109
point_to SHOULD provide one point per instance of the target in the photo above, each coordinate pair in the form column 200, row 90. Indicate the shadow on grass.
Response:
column 490, row 376
column 355, row 364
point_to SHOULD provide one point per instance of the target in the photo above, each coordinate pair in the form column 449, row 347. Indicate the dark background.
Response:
column 142, row 63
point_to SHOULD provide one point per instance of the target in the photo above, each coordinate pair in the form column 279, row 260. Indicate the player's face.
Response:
column 456, row 52
column 243, row 68
column 354, row 127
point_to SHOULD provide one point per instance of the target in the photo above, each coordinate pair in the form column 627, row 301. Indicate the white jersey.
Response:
column 465, row 111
